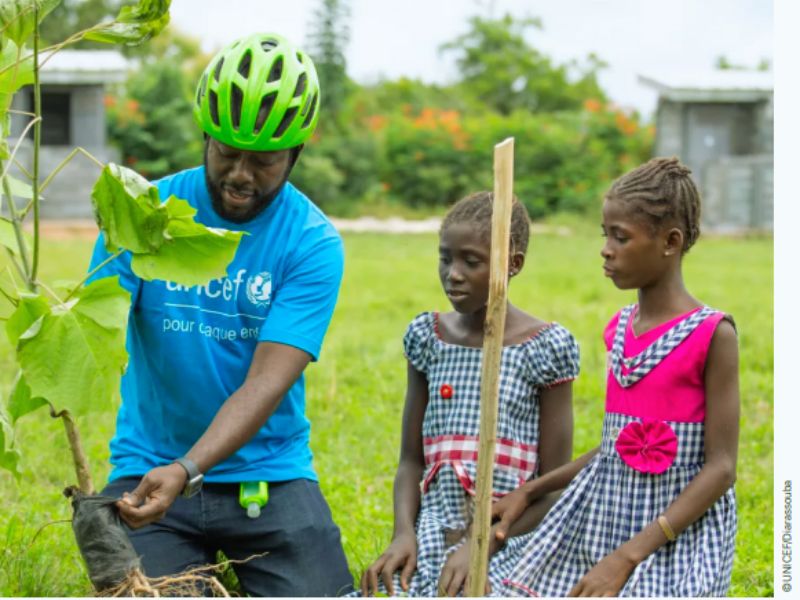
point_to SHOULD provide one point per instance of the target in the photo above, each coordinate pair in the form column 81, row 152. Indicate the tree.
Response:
column 499, row 67
column 326, row 42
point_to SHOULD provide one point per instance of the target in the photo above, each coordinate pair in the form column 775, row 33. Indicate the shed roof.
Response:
column 87, row 67
column 712, row 86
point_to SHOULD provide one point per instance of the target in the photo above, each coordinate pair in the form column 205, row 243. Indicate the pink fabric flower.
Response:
column 649, row 446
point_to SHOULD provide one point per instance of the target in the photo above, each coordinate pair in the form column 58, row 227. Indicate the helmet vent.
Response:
column 201, row 89
column 311, row 112
column 299, row 57
column 301, row 85
column 212, row 107
column 218, row 69
column 276, row 71
column 264, row 111
column 288, row 117
column 268, row 44
column 244, row 64
column 236, row 105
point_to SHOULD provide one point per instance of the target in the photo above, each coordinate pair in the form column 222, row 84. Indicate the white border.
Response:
column 787, row 256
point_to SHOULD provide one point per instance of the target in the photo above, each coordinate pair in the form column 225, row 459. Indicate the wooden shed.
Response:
column 73, row 114
column 720, row 124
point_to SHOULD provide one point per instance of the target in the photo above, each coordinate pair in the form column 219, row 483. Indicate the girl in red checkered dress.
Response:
column 435, row 479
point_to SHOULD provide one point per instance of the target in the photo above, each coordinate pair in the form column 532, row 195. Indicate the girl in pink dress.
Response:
column 651, row 511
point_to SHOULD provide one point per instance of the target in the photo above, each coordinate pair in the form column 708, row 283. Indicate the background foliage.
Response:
column 405, row 145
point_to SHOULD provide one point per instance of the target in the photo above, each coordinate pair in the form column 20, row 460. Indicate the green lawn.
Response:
column 356, row 394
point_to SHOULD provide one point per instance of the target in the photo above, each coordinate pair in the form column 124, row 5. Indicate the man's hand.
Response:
column 401, row 553
column 153, row 496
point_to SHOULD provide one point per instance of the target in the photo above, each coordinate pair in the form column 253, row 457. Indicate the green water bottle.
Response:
column 253, row 495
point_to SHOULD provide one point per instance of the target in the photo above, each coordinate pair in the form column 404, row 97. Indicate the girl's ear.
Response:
column 673, row 242
column 515, row 263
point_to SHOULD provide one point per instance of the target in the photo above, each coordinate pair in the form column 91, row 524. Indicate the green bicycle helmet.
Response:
column 259, row 93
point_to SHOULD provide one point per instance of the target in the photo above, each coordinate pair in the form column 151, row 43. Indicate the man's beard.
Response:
column 260, row 202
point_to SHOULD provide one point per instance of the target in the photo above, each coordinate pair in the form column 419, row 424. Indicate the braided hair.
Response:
column 663, row 191
column 476, row 210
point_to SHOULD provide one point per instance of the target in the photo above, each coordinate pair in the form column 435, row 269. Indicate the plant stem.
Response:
column 75, row 37
column 78, row 455
column 66, row 160
column 57, row 170
column 19, row 143
column 13, row 260
column 11, row 299
column 37, row 140
column 25, row 268
column 92, row 272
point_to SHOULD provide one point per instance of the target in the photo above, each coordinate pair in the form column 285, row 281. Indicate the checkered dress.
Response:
column 607, row 504
column 450, row 433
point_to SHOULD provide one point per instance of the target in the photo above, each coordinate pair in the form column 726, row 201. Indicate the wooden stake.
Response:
column 494, row 328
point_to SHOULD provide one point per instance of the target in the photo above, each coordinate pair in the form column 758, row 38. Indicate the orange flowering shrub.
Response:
column 592, row 105
column 425, row 155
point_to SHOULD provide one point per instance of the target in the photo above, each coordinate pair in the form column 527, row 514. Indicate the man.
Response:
column 214, row 393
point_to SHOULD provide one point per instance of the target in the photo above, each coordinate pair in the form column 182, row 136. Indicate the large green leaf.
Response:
column 14, row 73
column 20, row 401
column 193, row 254
column 76, row 356
column 128, row 210
column 164, row 239
column 17, row 17
column 134, row 24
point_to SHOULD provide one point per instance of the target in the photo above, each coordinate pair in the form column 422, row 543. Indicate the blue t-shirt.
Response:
column 190, row 348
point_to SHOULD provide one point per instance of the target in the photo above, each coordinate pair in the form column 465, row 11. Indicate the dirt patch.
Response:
column 72, row 229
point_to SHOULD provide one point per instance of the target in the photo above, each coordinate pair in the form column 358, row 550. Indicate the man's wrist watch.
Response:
column 194, row 478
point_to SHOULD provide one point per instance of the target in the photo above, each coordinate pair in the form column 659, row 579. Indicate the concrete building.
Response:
column 720, row 124
column 73, row 115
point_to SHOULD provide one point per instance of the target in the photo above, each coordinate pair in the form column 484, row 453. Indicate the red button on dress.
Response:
column 446, row 391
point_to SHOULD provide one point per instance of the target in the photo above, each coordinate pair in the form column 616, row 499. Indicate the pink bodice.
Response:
column 674, row 390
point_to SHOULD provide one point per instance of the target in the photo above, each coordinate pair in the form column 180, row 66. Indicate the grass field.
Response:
column 356, row 394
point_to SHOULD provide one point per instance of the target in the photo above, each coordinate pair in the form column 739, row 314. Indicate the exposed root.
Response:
column 196, row 582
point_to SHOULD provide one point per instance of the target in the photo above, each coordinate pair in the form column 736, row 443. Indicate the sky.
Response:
column 394, row 38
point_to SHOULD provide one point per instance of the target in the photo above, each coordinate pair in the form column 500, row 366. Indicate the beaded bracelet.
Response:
column 666, row 528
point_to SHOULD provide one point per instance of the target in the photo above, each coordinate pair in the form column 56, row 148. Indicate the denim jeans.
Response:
column 305, row 555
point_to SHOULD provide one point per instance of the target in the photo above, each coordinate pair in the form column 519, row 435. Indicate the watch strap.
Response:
column 193, row 476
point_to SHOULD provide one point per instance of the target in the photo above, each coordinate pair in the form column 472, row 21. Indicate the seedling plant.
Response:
column 69, row 338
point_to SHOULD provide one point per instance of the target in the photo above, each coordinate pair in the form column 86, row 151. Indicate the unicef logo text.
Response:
column 259, row 288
